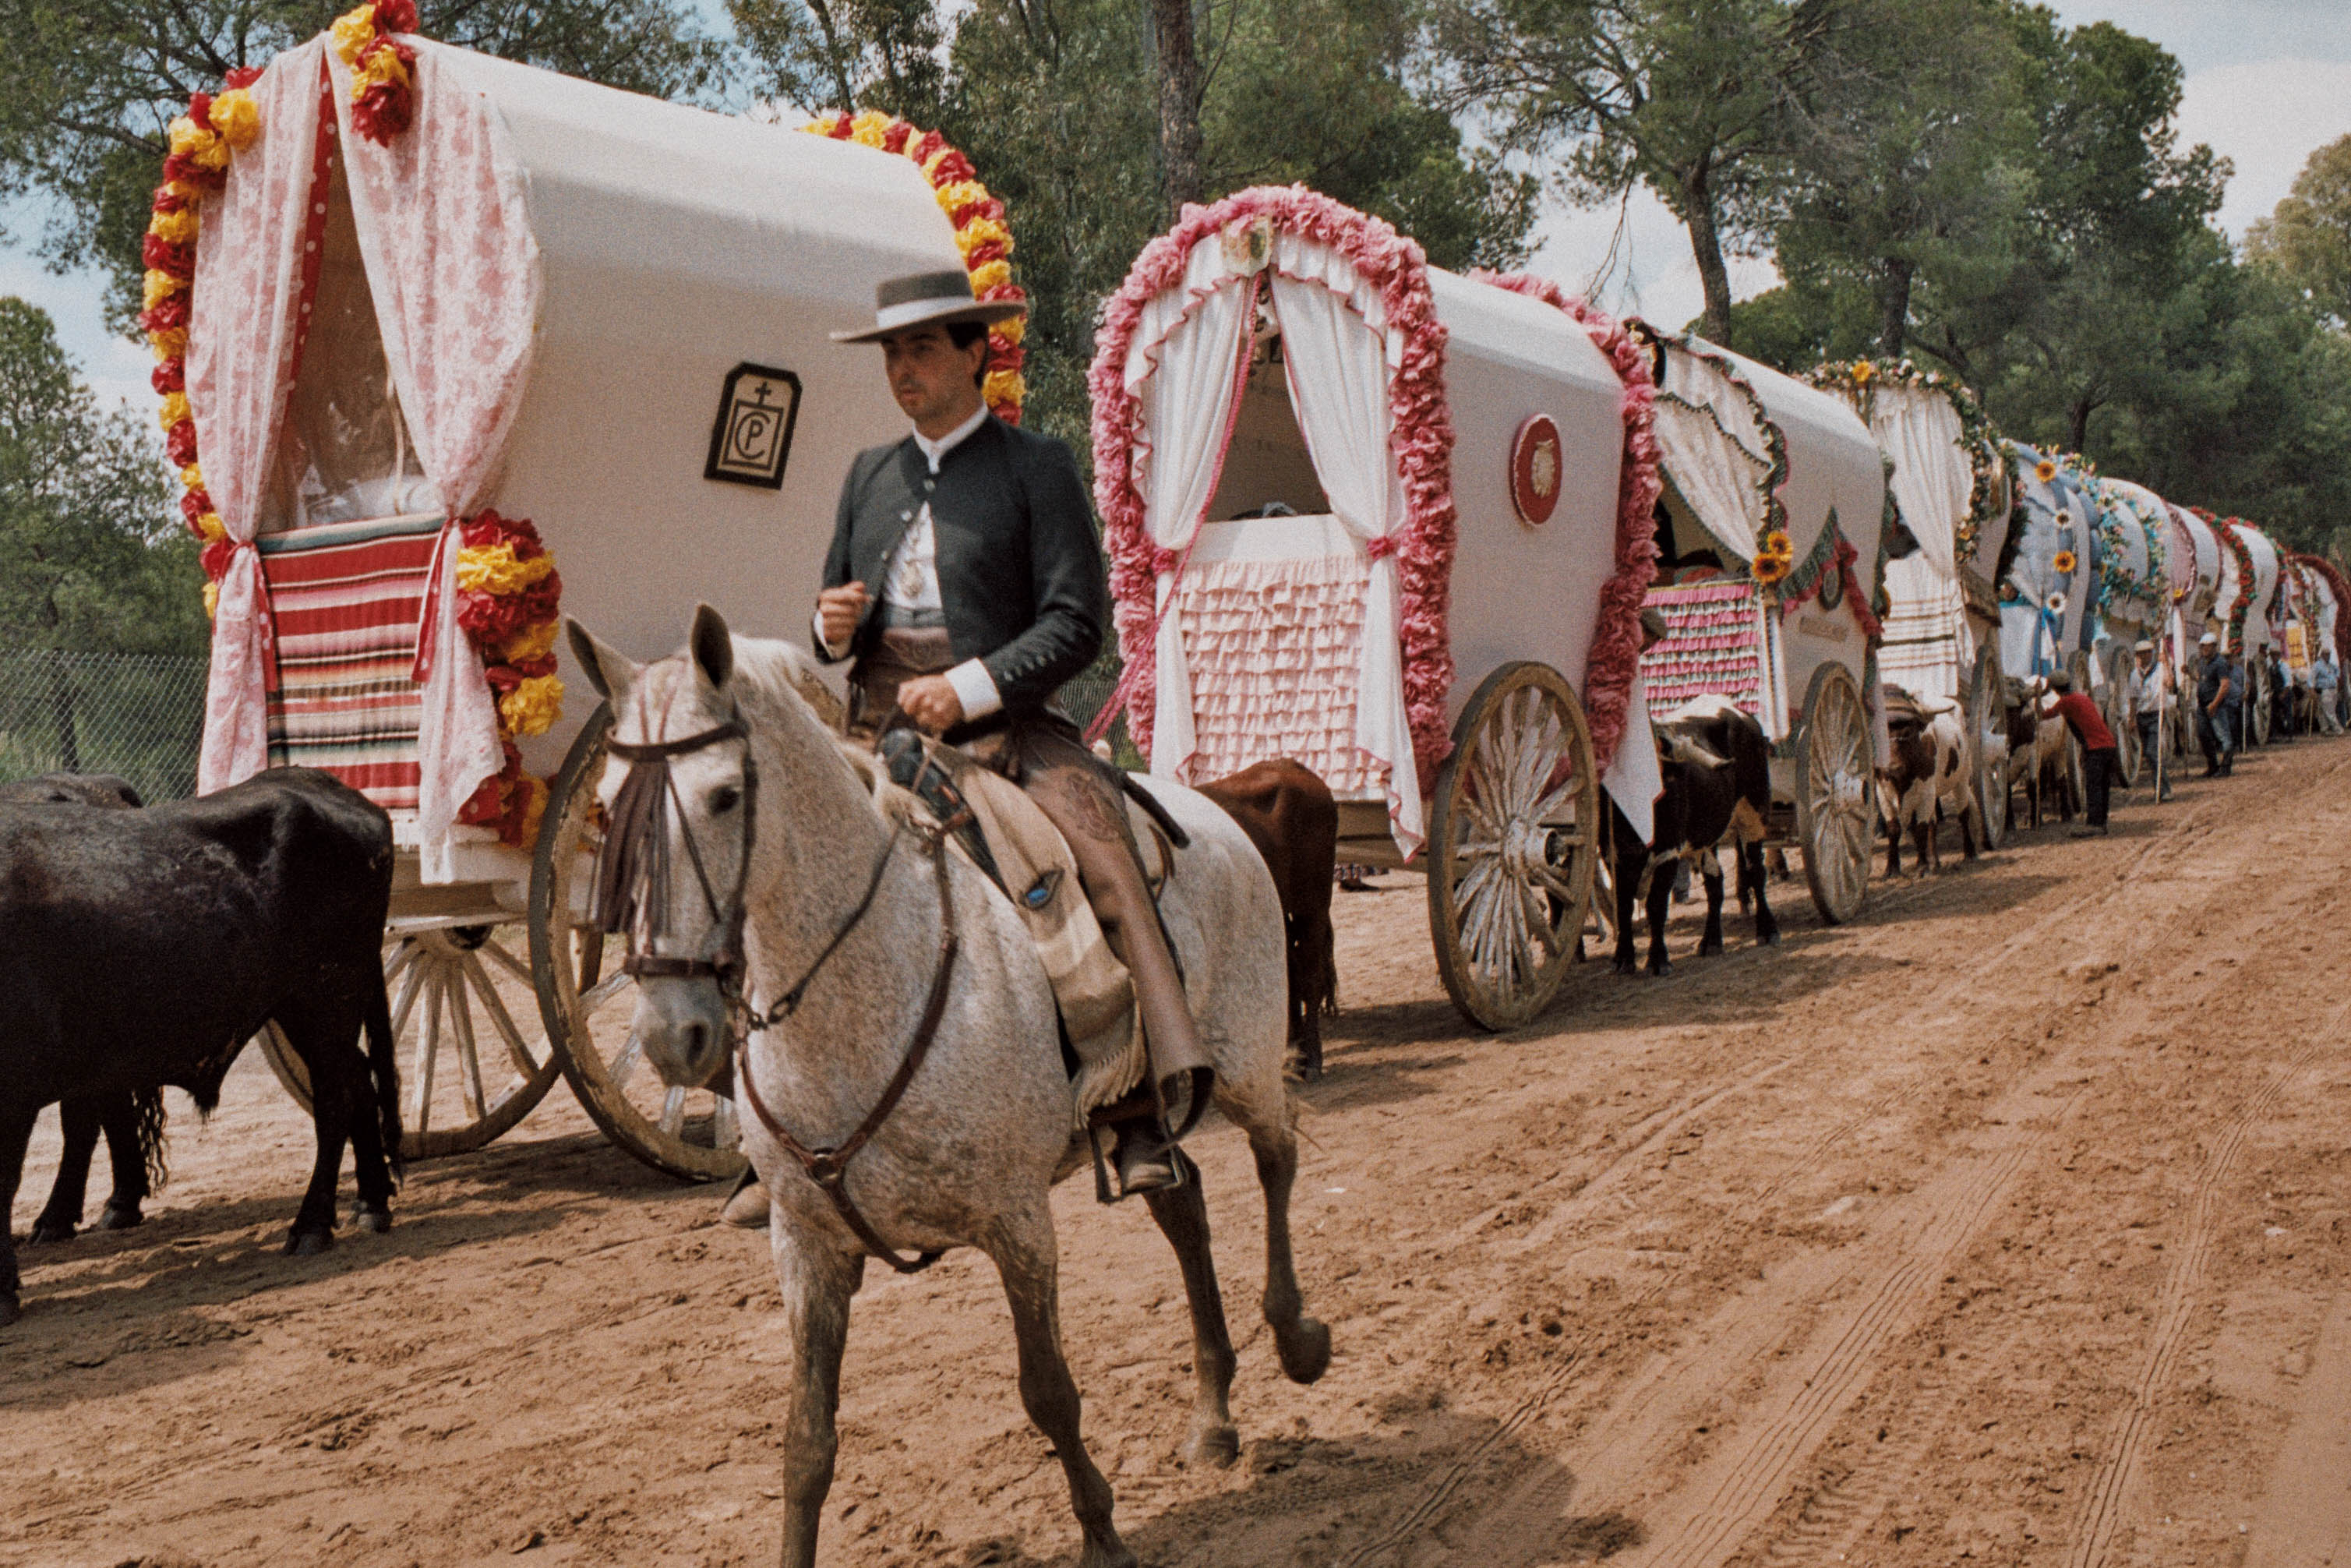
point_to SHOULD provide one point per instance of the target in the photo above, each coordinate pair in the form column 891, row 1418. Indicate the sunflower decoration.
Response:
column 2064, row 563
column 1775, row 557
column 1863, row 371
column 2045, row 470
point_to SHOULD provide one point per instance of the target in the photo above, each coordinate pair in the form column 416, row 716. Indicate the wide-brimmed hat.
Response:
column 929, row 298
column 2208, row 637
column 2142, row 647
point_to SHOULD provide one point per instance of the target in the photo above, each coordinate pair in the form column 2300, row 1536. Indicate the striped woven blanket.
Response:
column 1710, row 648
column 1926, row 629
column 346, row 598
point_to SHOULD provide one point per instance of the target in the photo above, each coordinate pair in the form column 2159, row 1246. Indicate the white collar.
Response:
column 934, row 450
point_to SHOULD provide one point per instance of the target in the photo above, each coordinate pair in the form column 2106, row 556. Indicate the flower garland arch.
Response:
column 1992, row 467
column 1421, row 441
column 2341, row 584
column 509, row 592
column 2114, row 505
column 2225, row 530
column 981, row 234
column 1616, row 654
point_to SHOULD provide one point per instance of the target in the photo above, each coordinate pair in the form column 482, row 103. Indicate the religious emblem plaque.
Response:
column 1536, row 462
column 753, row 437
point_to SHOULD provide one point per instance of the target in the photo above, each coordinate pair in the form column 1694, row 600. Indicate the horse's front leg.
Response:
column 817, row 1281
column 1182, row 1212
column 1028, row 1258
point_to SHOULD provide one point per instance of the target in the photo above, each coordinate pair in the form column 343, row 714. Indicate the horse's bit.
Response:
column 633, row 892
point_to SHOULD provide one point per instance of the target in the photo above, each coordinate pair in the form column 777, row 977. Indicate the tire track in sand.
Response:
column 1517, row 1522
column 2094, row 1536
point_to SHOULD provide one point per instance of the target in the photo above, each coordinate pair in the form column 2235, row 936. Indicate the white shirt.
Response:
column 910, row 579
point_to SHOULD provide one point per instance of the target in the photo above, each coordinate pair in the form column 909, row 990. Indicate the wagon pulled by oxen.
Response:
column 1769, row 529
column 1953, row 487
column 1394, row 524
column 526, row 346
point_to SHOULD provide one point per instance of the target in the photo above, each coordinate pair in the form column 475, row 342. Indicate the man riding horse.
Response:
column 966, row 583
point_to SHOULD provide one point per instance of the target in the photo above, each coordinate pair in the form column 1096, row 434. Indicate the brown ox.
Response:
column 1925, row 775
column 1289, row 814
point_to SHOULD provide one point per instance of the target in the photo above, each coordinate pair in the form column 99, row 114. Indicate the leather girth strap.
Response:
column 827, row 1168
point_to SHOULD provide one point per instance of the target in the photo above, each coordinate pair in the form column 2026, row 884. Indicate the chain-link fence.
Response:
column 137, row 716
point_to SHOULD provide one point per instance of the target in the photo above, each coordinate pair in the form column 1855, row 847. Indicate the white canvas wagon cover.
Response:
column 1395, row 568
column 555, row 280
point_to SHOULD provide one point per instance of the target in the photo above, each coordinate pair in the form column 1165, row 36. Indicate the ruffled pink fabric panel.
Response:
column 1710, row 647
column 1272, row 646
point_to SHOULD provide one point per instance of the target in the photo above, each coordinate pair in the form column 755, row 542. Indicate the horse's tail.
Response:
column 383, row 1067
column 154, row 1154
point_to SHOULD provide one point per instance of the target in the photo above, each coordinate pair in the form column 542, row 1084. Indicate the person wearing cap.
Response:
column 2146, row 698
column 2101, row 757
column 2220, row 706
column 966, row 584
column 2325, row 685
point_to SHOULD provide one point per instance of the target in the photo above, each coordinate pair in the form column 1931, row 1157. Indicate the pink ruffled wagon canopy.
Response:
column 1387, row 405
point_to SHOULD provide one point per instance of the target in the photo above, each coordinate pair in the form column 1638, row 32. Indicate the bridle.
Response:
column 632, row 880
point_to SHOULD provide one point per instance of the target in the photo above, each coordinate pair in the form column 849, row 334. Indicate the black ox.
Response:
column 133, row 1122
column 1717, row 765
column 146, row 946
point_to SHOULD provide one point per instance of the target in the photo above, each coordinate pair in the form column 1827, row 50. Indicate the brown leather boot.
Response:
column 747, row 1207
column 1145, row 1156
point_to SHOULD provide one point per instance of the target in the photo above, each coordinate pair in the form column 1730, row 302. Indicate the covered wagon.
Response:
column 2243, row 613
column 1954, row 487
column 2131, row 558
column 1769, row 535
column 1392, row 523
column 459, row 343
column 2045, row 578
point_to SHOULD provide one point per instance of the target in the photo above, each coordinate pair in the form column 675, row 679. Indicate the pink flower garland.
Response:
column 1422, row 441
column 1615, row 653
column 2342, row 586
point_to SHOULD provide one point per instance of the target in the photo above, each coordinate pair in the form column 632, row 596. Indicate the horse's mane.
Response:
column 775, row 682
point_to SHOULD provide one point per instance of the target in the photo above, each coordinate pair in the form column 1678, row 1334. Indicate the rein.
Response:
column 632, row 875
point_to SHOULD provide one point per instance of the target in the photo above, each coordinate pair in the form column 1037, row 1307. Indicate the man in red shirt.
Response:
column 2101, row 759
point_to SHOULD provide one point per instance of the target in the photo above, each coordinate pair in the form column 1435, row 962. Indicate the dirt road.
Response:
column 2007, row 1225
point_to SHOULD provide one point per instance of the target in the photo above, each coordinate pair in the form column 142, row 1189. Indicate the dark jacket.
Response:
column 2219, row 670
column 1021, row 581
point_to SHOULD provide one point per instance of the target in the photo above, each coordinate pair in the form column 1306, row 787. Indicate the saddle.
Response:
column 1001, row 831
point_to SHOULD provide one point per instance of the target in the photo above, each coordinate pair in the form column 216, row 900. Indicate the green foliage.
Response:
column 91, row 559
column 2306, row 242
column 1055, row 102
column 87, row 88
column 1687, row 96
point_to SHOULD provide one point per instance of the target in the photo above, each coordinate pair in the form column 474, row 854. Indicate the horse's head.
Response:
column 679, row 797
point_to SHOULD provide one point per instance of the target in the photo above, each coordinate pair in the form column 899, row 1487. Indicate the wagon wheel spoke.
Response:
column 461, row 1019
column 726, row 1132
column 404, row 999
column 673, row 1116
column 428, row 1049
column 397, row 962
column 507, row 961
column 624, row 1065
column 496, row 1007
column 602, row 991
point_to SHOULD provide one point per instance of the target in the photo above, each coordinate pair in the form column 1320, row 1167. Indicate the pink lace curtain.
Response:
column 444, row 222
column 244, row 326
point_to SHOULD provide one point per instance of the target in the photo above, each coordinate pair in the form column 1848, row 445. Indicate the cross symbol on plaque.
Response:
column 759, row 396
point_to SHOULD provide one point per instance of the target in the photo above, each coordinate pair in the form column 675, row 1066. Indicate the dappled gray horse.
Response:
column 902, row 1070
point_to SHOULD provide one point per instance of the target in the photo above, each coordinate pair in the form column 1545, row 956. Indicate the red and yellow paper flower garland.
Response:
column 216, row 127
column 382, row 69
column 508, row 593
column 980, row 231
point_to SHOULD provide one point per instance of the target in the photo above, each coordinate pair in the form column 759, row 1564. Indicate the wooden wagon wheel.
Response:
column 2257, row 712
column 470, row 1066
column 588, row 1003
column 1988, row 716
column 1515, row 829
column 1836, row 804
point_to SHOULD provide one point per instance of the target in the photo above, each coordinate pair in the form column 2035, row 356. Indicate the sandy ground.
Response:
column 2007, row 1225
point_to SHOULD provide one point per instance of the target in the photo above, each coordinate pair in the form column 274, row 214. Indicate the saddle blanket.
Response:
column 1039, row 875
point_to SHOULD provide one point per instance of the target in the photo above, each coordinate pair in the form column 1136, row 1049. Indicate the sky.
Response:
column 2267, row 82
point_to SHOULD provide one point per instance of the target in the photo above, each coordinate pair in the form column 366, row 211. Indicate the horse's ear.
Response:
column 712, row 646
column 609, row 670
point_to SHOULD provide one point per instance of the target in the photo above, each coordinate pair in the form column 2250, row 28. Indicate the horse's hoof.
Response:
column 1625, row 966
column 1660, row 970
column 308, row 1243
column 1305, row 1350
column 375, row 1220
column 1767, row 939
column 121, row 1216
column 11, row 1309
column 1709, row 950
column 1309, row 1073
column 48, row 1233
column 1115, row 1555
column 1218, row 1446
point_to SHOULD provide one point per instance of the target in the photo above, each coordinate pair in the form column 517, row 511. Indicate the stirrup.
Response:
column 1109, row 1119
